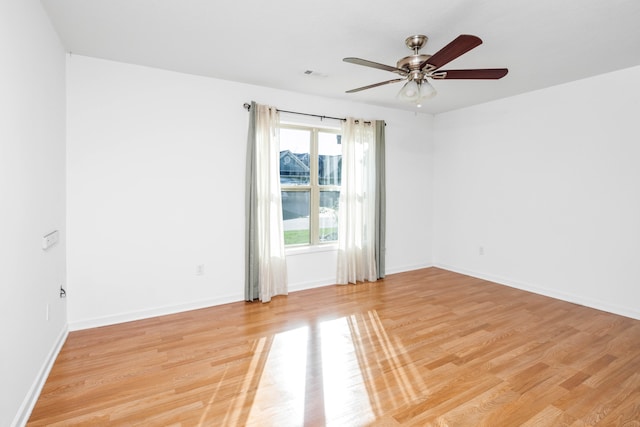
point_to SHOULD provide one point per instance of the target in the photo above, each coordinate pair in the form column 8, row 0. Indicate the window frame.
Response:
column 314, row 188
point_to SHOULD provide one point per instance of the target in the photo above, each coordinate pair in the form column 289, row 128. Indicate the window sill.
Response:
column 302, row 250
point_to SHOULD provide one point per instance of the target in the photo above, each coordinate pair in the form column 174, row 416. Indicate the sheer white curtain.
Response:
column 357, row 212
column 266, row 274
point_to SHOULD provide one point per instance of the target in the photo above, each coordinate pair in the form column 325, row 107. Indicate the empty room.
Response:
column 306, row 214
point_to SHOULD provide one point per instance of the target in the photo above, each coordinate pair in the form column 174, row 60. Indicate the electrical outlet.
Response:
column 481, row 250
column 200, row 270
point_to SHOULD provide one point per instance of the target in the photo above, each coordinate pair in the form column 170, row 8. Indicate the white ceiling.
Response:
column 272, row 43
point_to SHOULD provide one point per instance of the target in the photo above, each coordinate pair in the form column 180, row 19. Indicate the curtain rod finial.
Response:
column 246, row 106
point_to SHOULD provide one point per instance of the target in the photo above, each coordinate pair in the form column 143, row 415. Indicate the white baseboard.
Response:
column 633, row 313
column 405, row 268
column 33, row 394
column 332, row 280
column 294, row 287
column 147, row 313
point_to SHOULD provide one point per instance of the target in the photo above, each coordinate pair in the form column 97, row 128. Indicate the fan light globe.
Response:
column 427, row 91
column 410, row 91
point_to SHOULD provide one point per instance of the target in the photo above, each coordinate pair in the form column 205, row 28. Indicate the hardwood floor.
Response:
column 427, row 347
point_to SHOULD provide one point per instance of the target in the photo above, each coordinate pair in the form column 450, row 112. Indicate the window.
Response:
column 310, row 167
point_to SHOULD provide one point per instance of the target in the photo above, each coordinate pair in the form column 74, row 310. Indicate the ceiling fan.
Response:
column 416, row 69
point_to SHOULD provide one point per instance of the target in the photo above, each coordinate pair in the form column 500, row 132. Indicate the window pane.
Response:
column 329, row 215
column 295, row 213
column 329, row 158
column 295, row 147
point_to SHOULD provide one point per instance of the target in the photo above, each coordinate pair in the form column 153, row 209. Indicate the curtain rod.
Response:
column 247, row 107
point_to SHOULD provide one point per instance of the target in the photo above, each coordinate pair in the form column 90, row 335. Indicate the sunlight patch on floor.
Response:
column 327, row 373
column 281, row 389
column 345, row 392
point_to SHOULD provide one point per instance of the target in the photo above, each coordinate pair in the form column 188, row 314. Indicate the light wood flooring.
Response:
column 427, row 347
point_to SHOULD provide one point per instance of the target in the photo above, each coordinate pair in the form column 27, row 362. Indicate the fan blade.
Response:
column 488, row 73
column 459, row 46
column 372, row 64
column 374, row 85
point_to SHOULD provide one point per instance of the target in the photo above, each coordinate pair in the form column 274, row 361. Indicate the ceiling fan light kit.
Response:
column 416, row 92
column 416, row 69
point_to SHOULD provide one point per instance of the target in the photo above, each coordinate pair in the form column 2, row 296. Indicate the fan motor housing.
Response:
column 412, row 62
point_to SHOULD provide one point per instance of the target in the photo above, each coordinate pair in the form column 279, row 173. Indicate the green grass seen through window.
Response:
column 296, row 237
column 301, row 237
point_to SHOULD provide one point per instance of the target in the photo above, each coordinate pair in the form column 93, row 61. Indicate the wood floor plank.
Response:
column 426, row 347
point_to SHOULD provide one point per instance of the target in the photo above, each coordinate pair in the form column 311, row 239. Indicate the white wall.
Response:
column 32, row 195
column 156, row 165
column 548, row 183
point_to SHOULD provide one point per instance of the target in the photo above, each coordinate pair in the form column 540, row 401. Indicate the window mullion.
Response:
column 314, row 216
